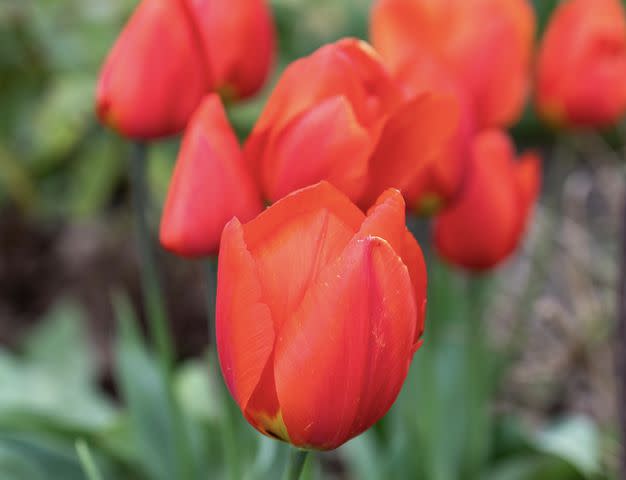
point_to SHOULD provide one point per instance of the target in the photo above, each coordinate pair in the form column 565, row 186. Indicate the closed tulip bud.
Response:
column 581, row 68
column 486, row 44
column 210, row 185
column 320, row 309
column 486, row 222
column 239, row 36
column 338, row 116
column 173, row 52
column 156, row 74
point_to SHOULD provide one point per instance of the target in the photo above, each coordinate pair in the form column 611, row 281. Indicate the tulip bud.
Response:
column 173, row 52
column 239, row 36
column 581, row 68
column 486, row 222
column 210, row 185
column 319, row 312
column 338, row 116
column 486, row 44
column 156, row 74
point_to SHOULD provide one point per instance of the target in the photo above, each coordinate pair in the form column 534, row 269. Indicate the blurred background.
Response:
column 66, row 245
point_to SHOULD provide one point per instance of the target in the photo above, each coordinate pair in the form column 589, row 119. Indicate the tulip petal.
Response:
column 325, row 143
column 412, row 139
column 341, row 359
column 297, row 237
column 386, row 219
column 244, row 326
column 229, row 30
column 210, row 185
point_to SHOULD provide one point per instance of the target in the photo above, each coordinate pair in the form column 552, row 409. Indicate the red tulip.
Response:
column 173, row 52
column 581, row 69
column 156, row 74
column 486, row 222
column 239, row 36
column 210, row 185
column 338, row 116
column 485, row 44
column 319, row 312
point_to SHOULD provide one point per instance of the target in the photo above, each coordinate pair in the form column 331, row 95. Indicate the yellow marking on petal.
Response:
column 272, row 426
column 429, row 204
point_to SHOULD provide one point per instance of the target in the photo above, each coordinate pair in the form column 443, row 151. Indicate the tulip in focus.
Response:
column 485, row 44
column 171, row 53
column 486, row 222
column 337, row 115
column 581, row 69
column 210, row 185
column 320, row 309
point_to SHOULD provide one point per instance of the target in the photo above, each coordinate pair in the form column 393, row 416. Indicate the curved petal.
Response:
column 325, row 143
column 528, row 175
column 294, row 239
column 386, row 219
column 244, row 326
column 210, row 185
column 341, row 359
column 139, row 92
column 412, row 139
column 230, row 30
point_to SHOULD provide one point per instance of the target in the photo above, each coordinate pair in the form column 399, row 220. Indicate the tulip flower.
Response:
column 581, row 68
column 337, row 115
column 210, row 185
column 172, row 53
column 239, row 36
column 486, row 222
column 320, row 309
column 486, row 44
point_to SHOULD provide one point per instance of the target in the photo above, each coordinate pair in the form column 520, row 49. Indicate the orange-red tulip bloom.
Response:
column 581, row 70
column 172, row 52
column 486, row 44
column 486, row 222
column 240, row 38
column 337, row 115
column 210, row 185
column 320, row 309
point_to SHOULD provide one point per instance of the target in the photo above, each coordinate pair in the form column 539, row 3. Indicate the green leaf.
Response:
column 575, row 440
column 145, row 393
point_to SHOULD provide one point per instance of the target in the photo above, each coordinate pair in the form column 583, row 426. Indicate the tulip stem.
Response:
column 154, row 303
column 210, row 270
column 150, row 283
column 295, row 467
column 621, row 346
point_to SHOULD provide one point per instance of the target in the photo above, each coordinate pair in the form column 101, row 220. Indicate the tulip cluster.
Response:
column 315, row 296
column 480, row 52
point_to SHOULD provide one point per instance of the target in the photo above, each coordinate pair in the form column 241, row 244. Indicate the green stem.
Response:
column 297, row 459
column 155, row 305
column 478, row 379
column 150, row 284
column 87, row 461
column 210, row 270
